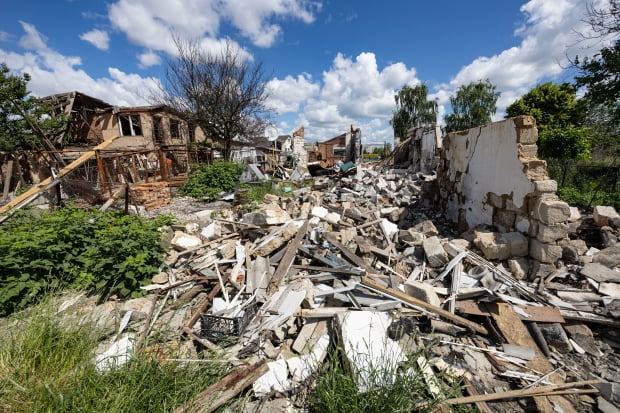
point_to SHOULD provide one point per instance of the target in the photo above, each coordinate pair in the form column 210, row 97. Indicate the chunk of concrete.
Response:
column 600, row 273
column 422, row 291
column 410, row 236
column 575, row 215
column 182, row 241
column 548, row 185
column 546, row 253
column 519, row 267
column 436, row 255
column 211, row 231
column 501, row 246
column 271, row 214
column 610, row 256
column 604, row 214
column 551, row 212
column 426, row 227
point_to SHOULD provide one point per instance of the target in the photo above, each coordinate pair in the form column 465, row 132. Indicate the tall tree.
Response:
column 473, row 105
column 221, row 92
column 559, row 118
column 412, row 109
column 25, row 124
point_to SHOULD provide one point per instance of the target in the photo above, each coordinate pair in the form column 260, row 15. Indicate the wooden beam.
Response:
column 423, row 304
column 114, row 197
column 348, row 254
column 7, row 179
column 287, row 260
column 49, row 182
column 216, row 395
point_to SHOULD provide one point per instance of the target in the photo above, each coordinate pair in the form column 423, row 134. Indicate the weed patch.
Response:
column 207, row 181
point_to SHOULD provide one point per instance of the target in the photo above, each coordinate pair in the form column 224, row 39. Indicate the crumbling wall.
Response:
column 490, row 175
column 425, row 141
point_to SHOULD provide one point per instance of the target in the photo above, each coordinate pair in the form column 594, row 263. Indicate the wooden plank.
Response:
column 287, row 260
column 515, row 332
column 423, row 304
column 48, row 183
column 7, row 179
column 114, row 197
column 536, row 313
column 216, row 395
column 341, row 270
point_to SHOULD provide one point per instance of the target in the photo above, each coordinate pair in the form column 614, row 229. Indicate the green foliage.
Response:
column 585, row 183
column 207, row 181
column 473, row 105
column 22, row 120
column 93, row 250
column 412, row 109
column 553, row 106
column 336, row 389
column 568, row 142
column 45, row 366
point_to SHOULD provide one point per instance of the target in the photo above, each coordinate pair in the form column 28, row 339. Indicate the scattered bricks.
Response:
column 500, row 246
column 548, row 185
column 604, row 214
column 519, row 267
column 426, row 227
column 552, row 211
column 528, row 151
column 550, row 233
column 546, row 253
column 504, row 220
column 436, row 255
column 151, row 195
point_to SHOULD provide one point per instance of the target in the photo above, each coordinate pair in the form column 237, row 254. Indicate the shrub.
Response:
column 207, row 181
column 91, row 250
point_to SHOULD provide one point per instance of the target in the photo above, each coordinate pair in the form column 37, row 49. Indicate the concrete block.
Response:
column 426, row 227
column 422, row 291
column 182, row 241
column 524, row 121
column 528, row 151
column 552, row 211
column 603, row 215
column 410, row 236
column 436, row 255
column 527, row 136
column 501, row 246
column 546, row 253
column 548, row 185
column 550, row 233
column 609, row 256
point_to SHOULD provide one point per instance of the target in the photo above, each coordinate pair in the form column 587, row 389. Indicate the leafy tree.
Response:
column 560, row 118
column 473, row 105
column 23, row 122
column 412, row 109
column 220, row 91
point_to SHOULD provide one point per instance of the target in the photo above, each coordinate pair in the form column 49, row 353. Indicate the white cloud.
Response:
column 549, row 37
column 148, row 59
column 52, row 72
column 98, row 38
column 4, row 36
column 287, row 94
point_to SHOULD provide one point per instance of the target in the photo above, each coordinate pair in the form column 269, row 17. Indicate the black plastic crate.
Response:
column 227, row 329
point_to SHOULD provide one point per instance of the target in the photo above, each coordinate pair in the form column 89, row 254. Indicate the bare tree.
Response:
column 219, row 91
column 605, row 20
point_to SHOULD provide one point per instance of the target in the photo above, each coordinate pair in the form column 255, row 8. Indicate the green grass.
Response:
column 399, row 388
column 46, row 366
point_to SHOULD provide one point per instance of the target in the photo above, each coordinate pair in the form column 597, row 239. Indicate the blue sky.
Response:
column 332, row 63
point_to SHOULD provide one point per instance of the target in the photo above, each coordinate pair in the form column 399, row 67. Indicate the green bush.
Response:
column 207, row 181
column 100, row 251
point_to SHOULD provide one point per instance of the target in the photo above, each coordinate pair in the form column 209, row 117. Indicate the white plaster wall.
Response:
column 488, row 159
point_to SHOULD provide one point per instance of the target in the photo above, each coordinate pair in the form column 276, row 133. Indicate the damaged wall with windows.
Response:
column 491, row 177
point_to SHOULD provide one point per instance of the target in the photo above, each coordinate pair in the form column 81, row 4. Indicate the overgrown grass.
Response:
column 397, row 388
column 207, row 181
column 46, row 366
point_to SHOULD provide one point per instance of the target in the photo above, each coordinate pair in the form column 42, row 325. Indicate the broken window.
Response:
column 158, row 131
column 175, row 129
column 130, row 125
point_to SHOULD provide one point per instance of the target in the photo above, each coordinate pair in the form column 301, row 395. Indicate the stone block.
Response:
column 512, row 207
column 609, row 256
column 540, row 269
column 550, row 233
column 271, row 214
column 546, row 253
column 422, row 291
column 426, row 227
column 527, row 136
column 575, row 215
column 535, row 169
column 435, row 254
column 410, row 236
column 182, row 241
column 604, row 214
column 570, row 254
column 552, row 211
column 547, row 185
column 524, row 121
column 528, row 151
column 600, row 273
column 461, row 244
column 501, row 246
column 580, row 244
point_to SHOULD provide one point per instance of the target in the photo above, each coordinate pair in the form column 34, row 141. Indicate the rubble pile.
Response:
column 361, row 262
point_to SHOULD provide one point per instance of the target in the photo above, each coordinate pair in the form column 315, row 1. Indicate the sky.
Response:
column 330, row 64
